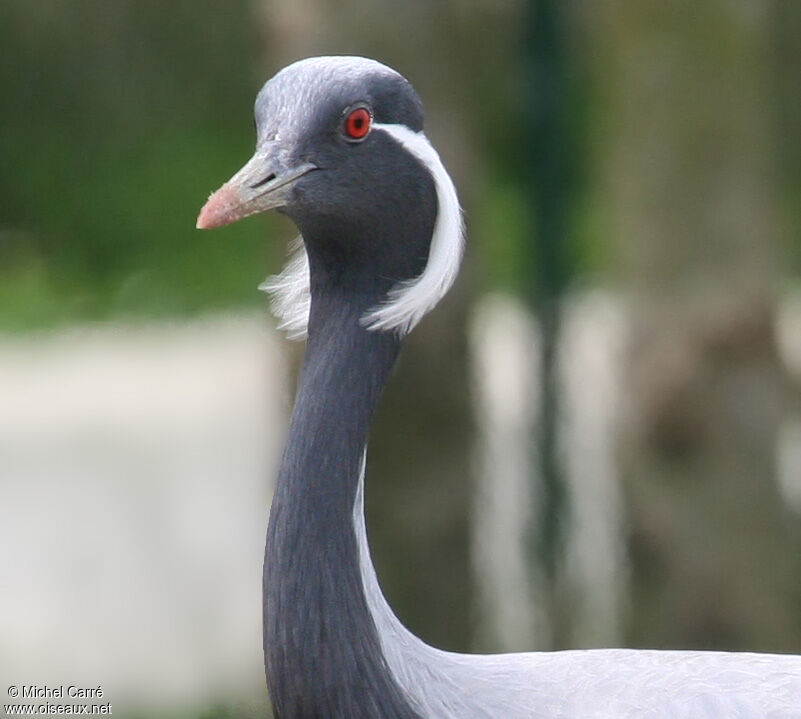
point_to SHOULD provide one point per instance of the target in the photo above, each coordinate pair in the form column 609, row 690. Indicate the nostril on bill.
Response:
column 263, row 181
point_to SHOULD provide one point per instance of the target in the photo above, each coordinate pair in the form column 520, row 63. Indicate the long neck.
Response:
column 322, row 651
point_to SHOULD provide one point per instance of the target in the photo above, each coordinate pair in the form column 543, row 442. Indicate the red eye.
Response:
column 357, row 123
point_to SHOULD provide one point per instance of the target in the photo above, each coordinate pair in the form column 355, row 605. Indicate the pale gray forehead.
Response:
column 308, row 89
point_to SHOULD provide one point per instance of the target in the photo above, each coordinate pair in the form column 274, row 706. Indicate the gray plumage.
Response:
column 382, row 241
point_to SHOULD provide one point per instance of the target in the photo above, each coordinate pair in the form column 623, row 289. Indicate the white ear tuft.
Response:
column 409, row 301
column 290, row 298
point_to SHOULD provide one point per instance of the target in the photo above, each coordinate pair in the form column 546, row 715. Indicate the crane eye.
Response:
column 358, row 123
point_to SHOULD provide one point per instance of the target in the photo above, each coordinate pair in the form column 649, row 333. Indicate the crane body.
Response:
column 341, row 151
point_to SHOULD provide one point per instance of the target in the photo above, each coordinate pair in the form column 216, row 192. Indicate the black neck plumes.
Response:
column 322, row 652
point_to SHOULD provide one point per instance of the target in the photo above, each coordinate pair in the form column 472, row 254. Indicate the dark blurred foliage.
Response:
column 786, row 64
column 115, row 117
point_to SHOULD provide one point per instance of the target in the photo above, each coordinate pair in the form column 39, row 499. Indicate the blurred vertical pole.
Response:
column 545, row 266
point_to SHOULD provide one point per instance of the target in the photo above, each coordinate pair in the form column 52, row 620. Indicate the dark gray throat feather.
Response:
column 322, row 652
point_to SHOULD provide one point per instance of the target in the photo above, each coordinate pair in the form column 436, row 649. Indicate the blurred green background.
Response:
column 117, row 121
column 649, row 150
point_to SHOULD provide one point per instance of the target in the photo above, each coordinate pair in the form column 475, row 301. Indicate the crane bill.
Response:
column 261, row 185
column 220, row 209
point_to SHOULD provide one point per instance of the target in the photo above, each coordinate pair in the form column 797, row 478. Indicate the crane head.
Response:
column 316, row 149
column 340, row 149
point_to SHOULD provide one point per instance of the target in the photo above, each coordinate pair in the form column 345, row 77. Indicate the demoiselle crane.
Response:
column 340, row 149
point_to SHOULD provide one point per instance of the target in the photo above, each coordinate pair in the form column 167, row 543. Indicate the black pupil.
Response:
column 357, row 123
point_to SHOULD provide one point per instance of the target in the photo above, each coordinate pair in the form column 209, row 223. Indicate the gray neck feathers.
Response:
column 322, row 652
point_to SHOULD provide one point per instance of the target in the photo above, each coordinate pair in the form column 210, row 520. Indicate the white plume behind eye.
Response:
column 408, row 301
